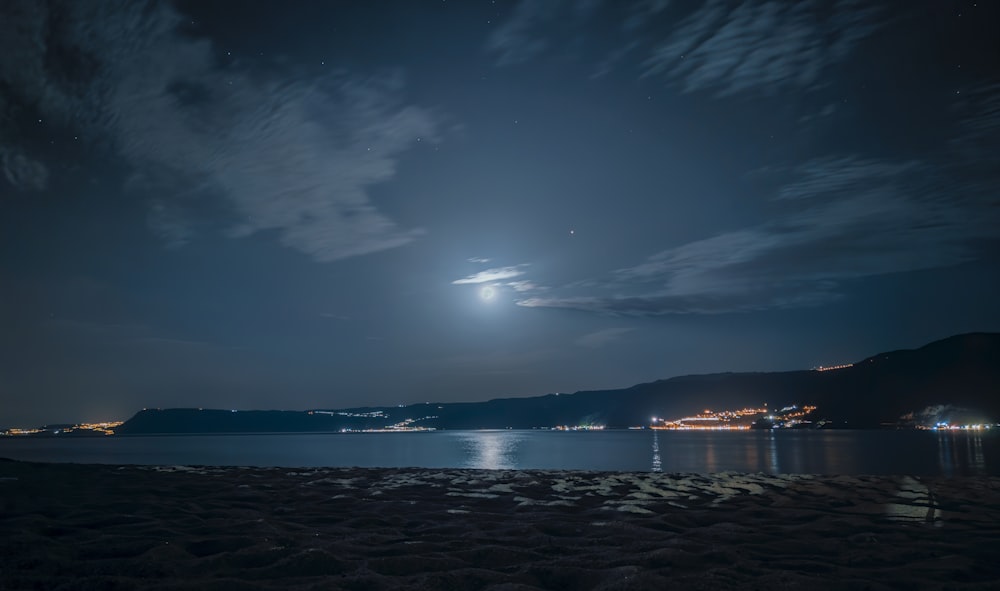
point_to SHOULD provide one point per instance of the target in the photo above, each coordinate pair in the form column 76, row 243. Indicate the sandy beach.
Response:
column 67, row 526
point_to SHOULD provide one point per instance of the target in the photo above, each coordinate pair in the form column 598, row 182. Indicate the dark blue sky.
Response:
column 303, row 204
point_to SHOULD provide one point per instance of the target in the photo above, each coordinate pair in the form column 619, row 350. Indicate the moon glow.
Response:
column 487, row 293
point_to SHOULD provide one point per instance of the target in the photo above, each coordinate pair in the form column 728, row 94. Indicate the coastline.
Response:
column 175, row 527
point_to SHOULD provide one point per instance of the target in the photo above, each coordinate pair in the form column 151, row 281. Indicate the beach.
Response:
column 75, row 526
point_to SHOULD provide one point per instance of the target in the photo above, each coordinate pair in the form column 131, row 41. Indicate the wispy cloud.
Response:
column 168, row 223
column 527, row 32
column 719, row 46
column 603, row 337
column 975, row 146
column 642, row 11
column 491, row 275
column 282, row 151
column 22, row 172
column 523, row 286
column 761, row 46
column 832, row 219
column 478, row 260
column 652, row 303
column 837, row 219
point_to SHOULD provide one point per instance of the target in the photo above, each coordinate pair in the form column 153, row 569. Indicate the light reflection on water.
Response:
column 978, row 461
column 826, row 452
column 491, row 450
column 961, row 452
column 710, row 462
column 657, row 464
column 944, row 453
column 772, row 455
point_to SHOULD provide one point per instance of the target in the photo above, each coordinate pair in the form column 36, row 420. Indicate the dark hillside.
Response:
column 960, row 371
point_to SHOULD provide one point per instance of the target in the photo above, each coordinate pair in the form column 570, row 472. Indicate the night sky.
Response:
column 319, row 205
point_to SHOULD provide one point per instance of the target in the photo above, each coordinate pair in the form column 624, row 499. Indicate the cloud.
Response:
column 642, row 11
column 22, row 172
column 603, row 337
column 826, row 111
column 477, row 260
column 661, row 303
column 766, row 47
column 975, row 147
column 837, row 219
column 489, row 275
column 169, row 225
column 527, row 33
column 607, row 65
column 272, row 150
column 523, row 286
column 720, row 46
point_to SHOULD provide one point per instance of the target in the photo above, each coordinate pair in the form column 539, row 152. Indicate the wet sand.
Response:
column 67, row 526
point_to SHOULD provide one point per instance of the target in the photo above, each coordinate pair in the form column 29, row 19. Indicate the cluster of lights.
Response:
column 375, row 414
column 578, row 428
column 733, row 420
column 945, row 426
column 105, row 427
column 708, row 420
column 794, row 412
column 833, row 367
column 706, row 425
column 735, row 414
column 406, row 425
column 389, row 429
column 22, row 431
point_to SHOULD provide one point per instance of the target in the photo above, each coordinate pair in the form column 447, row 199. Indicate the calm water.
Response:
column 840, row 452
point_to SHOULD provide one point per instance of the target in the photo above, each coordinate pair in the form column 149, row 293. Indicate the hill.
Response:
column 960, row 372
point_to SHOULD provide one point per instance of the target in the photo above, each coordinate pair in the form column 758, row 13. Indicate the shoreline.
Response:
column 982, row 430
column 182, row 527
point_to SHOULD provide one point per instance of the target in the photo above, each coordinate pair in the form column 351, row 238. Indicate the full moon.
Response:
column 487, row 293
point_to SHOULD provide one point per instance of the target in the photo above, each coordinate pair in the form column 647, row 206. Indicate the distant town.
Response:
column 788, row 417
column 947, row 385
column 103, row 428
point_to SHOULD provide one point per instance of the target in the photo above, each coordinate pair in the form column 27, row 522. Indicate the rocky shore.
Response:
column 68, row 526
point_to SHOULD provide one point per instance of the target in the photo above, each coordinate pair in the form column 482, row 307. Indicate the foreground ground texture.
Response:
column 65, row 526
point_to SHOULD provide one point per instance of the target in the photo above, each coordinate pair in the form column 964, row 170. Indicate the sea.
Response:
column 927, row 453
